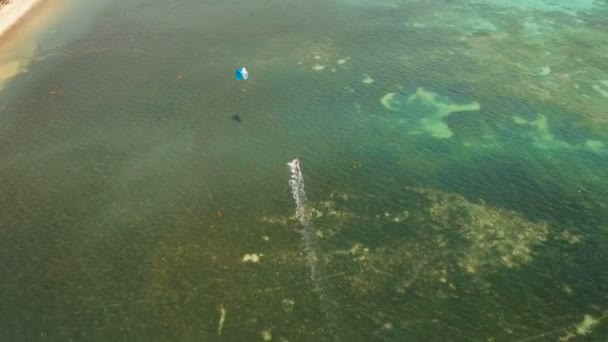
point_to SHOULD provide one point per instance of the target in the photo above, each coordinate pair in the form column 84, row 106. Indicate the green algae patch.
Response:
column 427, row 110
column 599, row 89
column 595, row 145
column 584, row 328
column 387, row 100
column 543, row 137
column 433, row 124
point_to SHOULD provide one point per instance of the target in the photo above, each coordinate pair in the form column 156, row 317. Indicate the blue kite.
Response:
column 242, row 74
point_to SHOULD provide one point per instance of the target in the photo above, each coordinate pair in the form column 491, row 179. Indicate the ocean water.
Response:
column 454, row 155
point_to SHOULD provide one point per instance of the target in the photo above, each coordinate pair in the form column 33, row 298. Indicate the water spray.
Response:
column 321, row 286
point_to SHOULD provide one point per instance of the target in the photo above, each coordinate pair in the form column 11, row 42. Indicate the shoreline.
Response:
column 21, row 22
column 13, row 13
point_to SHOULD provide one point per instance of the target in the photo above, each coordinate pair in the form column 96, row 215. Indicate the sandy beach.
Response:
column 14, row 56
column 21, row 21
column 11, row 13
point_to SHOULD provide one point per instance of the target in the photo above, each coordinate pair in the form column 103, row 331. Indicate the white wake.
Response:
column 321, row 285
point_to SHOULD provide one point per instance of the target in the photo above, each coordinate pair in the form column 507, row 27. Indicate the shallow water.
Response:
column 454, row 153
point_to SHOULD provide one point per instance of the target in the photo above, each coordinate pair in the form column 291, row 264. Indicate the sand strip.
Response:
column 12, row 12
column 21, row 22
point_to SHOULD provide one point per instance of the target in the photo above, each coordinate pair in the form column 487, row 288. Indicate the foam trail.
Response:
column 322, row 286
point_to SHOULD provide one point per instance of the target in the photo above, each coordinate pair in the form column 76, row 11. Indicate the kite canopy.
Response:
column 242, row 74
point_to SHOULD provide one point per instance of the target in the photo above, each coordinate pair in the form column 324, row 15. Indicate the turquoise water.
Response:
column 455, row 158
